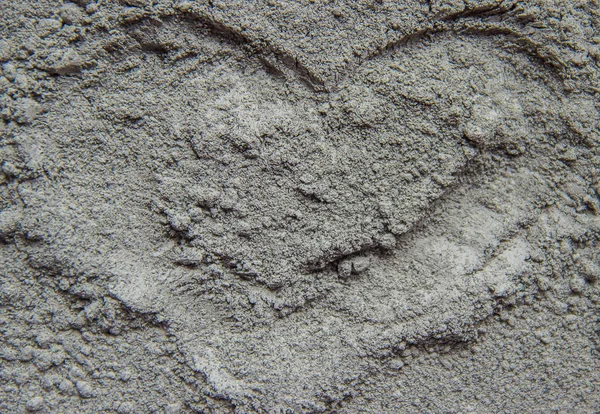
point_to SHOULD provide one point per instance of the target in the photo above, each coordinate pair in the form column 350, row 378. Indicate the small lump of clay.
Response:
column 577, row 284
column 344, row 269
column 387, row 241
column 481, row 128
column 360, row 264
column 84, row 389
column 70, row 14
column 35, row 404
column 64, row 62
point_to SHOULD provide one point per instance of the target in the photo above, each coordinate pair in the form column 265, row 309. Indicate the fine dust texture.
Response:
column 300, row 207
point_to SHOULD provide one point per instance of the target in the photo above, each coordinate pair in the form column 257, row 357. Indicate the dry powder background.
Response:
column 299, row 206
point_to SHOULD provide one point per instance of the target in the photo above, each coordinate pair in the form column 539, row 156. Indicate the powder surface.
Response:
column 353, row 206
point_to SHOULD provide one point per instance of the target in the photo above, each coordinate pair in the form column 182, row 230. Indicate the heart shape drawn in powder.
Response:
column 292, row 189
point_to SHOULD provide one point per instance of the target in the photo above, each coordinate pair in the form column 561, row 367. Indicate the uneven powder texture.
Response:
column 299, row 206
